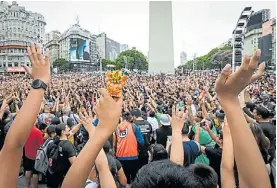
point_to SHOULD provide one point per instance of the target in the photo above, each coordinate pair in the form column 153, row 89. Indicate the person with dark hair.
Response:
column 66, row 155
column 154, row 123
column 164, row 131
column 158, row 152
column 262, row 114
column 147, row 133
column 164, row 173
column 264, row 145
column 127, row 138
column 191, row 147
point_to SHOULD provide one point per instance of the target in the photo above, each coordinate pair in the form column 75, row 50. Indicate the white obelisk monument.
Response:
column 161, row 52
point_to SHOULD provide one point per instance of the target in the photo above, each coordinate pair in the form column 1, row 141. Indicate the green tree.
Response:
column 135, row 60
column 106, row 62
column 62, row 65
column 216, row 58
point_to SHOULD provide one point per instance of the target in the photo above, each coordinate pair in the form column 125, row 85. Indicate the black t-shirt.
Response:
column 214, row 155
column 66, row 151
column 147, row 133
column 162, row 134
column 269, row 130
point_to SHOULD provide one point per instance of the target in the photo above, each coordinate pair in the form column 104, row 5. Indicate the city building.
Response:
column 161, row 51
column 53, row 35
column 124, row 47
column 18, row 29
column 254, row 30
column 183, row 58
column 273, row 61
column 52, row 43
column 108, row 48
column 78, row 47
column 265, row 43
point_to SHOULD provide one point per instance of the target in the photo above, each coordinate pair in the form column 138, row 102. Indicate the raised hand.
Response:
column 229, row 85
column 40, row 65
column 86, row 119
column 177, row 120
column 108, row 110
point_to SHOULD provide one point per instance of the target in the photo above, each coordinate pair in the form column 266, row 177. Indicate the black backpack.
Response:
column 54, row 157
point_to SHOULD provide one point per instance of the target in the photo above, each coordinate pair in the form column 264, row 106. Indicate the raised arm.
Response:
column 108, row 112
column 11, row 154
column 190, row 115
column 177, row 149
column 248, row 157
column 227, row 161
column 105, row 176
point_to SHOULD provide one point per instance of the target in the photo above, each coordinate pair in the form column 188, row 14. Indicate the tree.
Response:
column 62, row 65
column 216, row 58
column 106, row 62
column 135, row 60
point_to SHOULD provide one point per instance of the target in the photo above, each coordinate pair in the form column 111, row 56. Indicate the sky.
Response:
column 198, row 26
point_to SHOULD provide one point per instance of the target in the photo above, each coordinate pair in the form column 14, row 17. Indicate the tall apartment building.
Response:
column 183, row 58
column 108, row 48
column 18, row 29
column 52, row 43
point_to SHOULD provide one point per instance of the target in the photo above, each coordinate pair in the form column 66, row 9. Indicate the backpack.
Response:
column 42, row 162
column 54, row 157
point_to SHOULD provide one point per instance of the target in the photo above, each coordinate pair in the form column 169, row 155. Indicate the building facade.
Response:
column 108, row 48
column 52, row 43
column 183, row 58
column 78, row 47
column 123, row 47
column 18, row 29
column 254, row 30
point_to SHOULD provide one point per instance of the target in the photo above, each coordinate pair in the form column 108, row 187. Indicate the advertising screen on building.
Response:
column 79, row 50
column 112, row 49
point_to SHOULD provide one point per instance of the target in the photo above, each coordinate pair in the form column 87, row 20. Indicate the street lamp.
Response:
column 238, row 37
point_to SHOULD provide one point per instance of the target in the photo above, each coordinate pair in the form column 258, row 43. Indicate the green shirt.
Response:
column 204, row 140
column 158, row 117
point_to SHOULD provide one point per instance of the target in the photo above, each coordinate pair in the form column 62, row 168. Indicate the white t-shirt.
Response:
column 154, row 123
column 91, row 184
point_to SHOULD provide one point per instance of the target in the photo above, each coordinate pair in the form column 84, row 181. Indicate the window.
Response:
column 16, row 64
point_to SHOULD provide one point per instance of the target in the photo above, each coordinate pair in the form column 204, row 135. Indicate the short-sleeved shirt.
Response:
column 191, row 152
column 66, row 150
column 33, row 143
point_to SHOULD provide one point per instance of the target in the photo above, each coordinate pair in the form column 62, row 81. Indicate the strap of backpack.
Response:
column 88, row 182
column 115, row 142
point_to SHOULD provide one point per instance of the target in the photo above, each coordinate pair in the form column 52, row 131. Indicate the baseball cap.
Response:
column 165, row 120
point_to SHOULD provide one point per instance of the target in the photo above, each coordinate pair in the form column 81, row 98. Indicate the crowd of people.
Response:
column 204, row 129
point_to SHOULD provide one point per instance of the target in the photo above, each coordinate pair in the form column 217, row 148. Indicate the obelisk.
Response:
column 161, row 52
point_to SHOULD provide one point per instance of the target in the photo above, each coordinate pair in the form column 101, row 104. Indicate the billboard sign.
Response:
column 79, row 50
column 112, row 49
